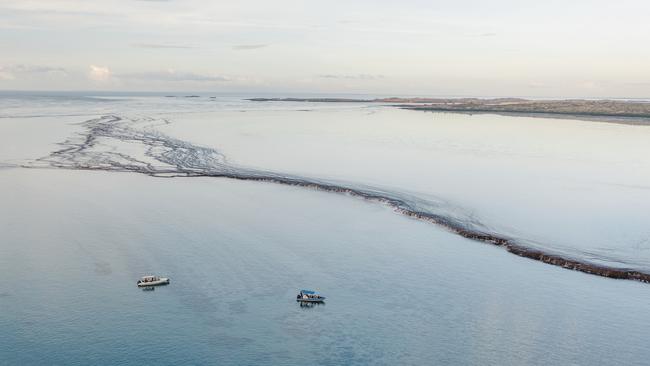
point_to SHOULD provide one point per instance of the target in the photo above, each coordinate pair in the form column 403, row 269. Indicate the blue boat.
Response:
column 309, row 296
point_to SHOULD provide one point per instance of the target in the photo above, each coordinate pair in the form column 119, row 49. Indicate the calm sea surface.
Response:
column 73, row 243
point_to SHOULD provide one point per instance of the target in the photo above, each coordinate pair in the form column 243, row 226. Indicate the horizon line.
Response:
column 293, row 93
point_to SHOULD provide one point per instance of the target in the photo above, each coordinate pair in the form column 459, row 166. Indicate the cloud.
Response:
column 99, row 73
column 12, row 72
column 160, row 45
column 173, row 75
column 6, row 74
column 242, row 47
column 351, row 77
column 23, row 68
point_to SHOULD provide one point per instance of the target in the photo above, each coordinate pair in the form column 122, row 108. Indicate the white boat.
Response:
column 152, row 281
column 309, row 296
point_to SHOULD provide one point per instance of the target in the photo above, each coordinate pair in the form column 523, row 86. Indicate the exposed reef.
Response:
column 97, row 147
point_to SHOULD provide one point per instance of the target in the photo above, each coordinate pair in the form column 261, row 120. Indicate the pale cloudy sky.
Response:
column 588, row 48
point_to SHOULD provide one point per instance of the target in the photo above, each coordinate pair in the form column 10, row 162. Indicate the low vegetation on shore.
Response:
column 576, row 107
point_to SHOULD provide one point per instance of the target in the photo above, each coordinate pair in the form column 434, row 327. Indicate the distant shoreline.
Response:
column 613, row 111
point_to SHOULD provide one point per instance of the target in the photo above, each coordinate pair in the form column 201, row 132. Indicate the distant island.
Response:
column 315, row 100
column 608, row 110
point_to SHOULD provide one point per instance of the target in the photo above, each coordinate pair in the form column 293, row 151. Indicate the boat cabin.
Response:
column 150, row 279
column 309, row 295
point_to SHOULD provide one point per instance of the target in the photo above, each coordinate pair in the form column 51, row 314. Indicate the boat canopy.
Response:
column 307, row 292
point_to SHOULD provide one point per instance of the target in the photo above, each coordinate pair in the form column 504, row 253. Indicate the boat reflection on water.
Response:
column 309, row 305
column 148, row 288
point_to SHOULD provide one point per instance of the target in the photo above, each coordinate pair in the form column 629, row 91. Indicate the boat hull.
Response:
column 311, row 300
column 161, row 282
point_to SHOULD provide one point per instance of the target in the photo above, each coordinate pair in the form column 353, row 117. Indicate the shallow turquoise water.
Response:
column 400, row 291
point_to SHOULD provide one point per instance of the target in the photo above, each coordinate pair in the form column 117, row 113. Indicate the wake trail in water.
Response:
column 132, row 144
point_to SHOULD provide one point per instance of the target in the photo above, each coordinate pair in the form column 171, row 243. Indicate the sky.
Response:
column 579, row 48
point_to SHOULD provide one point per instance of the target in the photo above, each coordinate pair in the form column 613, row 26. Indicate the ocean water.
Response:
column 78, row 228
